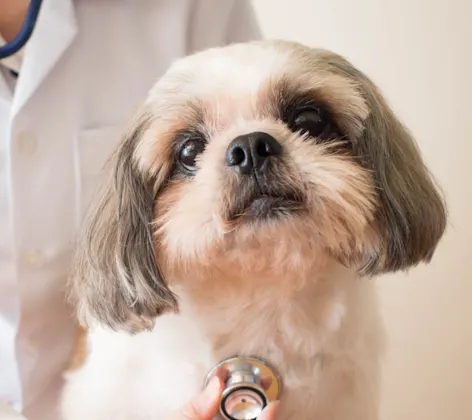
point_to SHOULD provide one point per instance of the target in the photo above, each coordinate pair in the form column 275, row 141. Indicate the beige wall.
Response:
column 420, row 53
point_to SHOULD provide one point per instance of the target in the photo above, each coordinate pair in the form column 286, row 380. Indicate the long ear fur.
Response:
column 116, row 280
column 411, row 216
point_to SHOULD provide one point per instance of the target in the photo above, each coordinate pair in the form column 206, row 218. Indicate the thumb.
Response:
column 270, row 412
column 205, row 405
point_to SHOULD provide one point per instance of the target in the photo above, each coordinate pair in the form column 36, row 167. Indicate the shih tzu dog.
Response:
column 252, row 198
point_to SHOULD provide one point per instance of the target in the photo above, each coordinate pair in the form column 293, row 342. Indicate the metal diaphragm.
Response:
column 251, row 384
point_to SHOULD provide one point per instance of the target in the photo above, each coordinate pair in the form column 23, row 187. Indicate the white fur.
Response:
column 335, row 347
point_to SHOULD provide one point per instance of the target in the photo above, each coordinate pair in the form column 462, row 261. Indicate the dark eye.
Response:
column 188, row 153
column 316, row 122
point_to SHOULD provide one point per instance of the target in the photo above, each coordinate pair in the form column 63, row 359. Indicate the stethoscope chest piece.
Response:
column 250, row 386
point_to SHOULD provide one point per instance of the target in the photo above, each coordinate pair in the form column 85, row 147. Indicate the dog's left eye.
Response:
column 316, row 122
column 189, row 152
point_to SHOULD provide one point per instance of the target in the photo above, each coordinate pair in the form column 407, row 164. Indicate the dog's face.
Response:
column 254, row 157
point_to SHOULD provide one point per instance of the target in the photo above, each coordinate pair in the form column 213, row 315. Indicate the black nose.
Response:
column 250, row 152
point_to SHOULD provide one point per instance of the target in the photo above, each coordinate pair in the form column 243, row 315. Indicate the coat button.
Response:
column 26, row 143
column 34, row 259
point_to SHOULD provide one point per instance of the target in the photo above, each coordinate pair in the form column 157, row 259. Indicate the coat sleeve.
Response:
column 242, row 23
column 7, row 413
column 215, row 23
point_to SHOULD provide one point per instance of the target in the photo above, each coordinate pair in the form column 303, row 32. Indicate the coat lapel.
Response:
column 55, row 30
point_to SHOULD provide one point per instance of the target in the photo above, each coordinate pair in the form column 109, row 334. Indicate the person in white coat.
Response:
column 64, row 98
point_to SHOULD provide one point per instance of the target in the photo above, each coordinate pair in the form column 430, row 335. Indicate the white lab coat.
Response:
column 88, row 63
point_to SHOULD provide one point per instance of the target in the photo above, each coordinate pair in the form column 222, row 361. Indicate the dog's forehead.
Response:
column 238, row 69
column 253, row 80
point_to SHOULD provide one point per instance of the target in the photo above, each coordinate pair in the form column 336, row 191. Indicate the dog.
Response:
column 254, row 195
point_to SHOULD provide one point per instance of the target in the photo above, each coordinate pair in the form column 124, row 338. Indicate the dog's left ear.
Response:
column 411, row 215
column 116, row 280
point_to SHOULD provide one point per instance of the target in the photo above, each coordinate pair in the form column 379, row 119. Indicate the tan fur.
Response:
column 162, row 246
column 79, row 351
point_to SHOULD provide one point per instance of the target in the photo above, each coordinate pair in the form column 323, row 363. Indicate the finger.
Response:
column 205, row 405
column 266, row 383
column 270, row 412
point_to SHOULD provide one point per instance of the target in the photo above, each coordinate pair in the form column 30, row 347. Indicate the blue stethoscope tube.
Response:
column 25, row 32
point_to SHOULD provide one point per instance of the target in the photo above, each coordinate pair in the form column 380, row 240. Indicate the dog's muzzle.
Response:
column 251, row 385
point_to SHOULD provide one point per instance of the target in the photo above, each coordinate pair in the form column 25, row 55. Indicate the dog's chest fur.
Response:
column 325, row 345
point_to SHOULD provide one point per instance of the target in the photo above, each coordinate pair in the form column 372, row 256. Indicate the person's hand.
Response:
column 205, row 405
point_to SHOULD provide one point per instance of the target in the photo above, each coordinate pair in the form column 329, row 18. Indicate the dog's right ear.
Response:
column 116, row 280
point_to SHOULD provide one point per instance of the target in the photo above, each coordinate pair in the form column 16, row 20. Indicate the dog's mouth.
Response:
column 270, row 206
column 263, row 196
column 263, row 205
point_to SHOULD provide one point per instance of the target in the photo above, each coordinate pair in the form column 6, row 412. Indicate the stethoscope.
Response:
column 25, row 32
column 251, row 384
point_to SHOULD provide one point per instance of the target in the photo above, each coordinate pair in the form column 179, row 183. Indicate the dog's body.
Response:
column 324, row 342
column 266, row 229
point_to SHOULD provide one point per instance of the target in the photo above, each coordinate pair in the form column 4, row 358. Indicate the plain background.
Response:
column 420, row 54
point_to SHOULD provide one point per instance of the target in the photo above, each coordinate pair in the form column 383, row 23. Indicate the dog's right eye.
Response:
column 188, row 153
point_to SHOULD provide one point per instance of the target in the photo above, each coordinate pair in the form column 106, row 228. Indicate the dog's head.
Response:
column 254, row 156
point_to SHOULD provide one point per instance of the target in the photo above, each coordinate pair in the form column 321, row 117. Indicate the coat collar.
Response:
column 55, row 30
